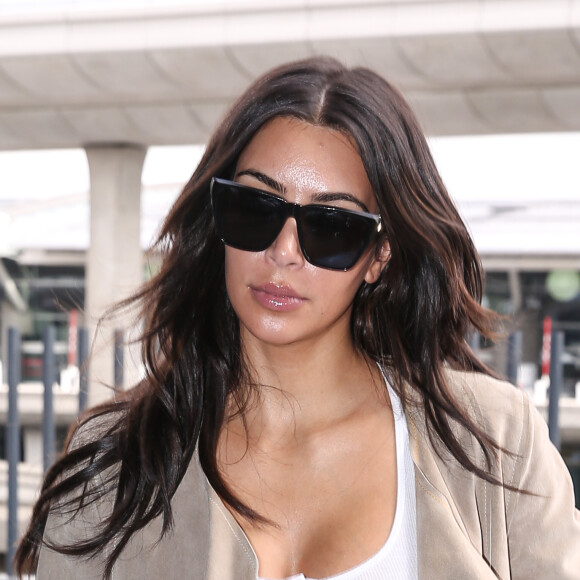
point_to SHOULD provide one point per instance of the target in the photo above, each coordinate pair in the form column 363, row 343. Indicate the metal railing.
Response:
column 49, row 440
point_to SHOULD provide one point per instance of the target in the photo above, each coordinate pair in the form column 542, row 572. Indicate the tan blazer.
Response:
column 466, row 528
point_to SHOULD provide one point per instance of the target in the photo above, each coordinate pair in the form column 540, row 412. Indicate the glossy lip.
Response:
column 279, row 297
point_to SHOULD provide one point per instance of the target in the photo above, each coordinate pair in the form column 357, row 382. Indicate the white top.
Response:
column 397, row 559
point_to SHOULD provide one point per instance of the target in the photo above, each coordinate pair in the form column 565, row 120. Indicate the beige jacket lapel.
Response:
column 450, row 540
column 231, row 555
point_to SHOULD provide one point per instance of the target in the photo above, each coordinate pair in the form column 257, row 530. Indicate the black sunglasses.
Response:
column 251, row 219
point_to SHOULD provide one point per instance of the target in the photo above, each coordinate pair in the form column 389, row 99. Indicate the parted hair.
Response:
column 413, row 320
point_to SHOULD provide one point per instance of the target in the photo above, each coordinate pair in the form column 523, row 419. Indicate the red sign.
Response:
column 72, row 337
column 546, row 345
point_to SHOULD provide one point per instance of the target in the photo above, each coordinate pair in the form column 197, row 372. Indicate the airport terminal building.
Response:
column 115, row 81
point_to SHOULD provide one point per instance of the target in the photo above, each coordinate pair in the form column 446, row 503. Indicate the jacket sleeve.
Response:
column 67, row 526
column 543, row 524
column 62, row 529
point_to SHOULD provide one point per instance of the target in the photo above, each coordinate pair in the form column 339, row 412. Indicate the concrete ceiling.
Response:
column 164, row 74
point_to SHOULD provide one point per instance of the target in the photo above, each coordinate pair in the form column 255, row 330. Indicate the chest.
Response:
column 331, row 501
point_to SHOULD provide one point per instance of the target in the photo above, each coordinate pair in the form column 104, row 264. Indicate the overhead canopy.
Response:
column 163, row 73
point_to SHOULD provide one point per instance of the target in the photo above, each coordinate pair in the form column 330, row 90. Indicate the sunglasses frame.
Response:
column 293, row 210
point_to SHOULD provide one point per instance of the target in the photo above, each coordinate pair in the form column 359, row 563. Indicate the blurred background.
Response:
column 105, row 107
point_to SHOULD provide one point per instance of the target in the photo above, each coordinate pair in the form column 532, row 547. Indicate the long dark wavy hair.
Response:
column 413, row 320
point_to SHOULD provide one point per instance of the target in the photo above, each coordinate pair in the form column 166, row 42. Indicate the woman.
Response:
column 311, row 408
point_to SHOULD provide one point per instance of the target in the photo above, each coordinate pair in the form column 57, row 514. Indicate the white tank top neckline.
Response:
column 397, row 559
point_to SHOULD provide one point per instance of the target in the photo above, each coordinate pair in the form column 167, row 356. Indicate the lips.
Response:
column 278, row 297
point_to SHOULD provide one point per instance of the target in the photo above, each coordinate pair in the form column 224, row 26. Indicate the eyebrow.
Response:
column 324, row 197
column 265, row 179
column 329, row 196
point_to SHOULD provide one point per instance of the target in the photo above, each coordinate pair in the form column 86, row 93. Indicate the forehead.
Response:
column 307, row 158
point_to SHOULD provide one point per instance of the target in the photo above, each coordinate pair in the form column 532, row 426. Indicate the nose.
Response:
column 285, row 250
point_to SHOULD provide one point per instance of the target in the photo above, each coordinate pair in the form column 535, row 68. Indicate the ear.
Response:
column 381, row 259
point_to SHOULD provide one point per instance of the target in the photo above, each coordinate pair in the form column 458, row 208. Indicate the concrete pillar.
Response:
column 114, row 261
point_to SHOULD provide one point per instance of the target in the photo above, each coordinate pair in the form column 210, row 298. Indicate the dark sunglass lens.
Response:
column 335, row 239
column 245, row 219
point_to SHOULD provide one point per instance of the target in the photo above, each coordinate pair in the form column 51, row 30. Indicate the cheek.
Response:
column 335, row 290
column 236, row 263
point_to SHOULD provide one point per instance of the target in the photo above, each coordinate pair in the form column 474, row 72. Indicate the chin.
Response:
column 277, row 336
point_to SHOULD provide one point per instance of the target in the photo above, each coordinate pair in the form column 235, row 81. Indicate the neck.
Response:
column 305, row 387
